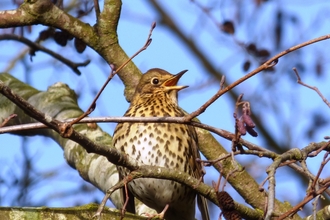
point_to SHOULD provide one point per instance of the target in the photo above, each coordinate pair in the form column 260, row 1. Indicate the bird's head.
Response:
column 158, row 83
column 158, row 80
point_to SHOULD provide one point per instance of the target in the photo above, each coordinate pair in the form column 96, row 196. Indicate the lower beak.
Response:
column 171, row 83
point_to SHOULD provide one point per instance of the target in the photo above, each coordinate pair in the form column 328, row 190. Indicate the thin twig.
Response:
column 315, row 205
column 315, row 153
column 324, row 162
column 261, row 185
column 311, row 87
column 93, row 104
column 211, row 162
column 107, row 195
column 37, row 47
column 97, row 10
column 7, row 120
column 268, row 64
column 271, row 170
column 307, row 199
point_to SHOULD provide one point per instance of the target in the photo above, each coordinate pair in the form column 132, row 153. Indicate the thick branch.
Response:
column 72, row 213
column 111, row 51
column 59, row 102
column 46, row 13
column 102, row 38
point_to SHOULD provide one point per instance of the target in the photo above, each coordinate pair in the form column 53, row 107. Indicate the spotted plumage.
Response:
column 169, row 145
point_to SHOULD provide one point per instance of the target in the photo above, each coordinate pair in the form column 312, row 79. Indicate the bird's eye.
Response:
column 154, row 81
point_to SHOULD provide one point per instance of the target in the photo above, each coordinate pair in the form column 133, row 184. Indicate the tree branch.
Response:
column 36, row 47
column 72, row 213
column 102, row 37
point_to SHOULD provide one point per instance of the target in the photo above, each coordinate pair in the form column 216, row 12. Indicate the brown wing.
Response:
column 122, row 172
column 198, row 172
column 130, row 206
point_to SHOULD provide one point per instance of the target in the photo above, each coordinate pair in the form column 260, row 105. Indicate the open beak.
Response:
column 171, row 83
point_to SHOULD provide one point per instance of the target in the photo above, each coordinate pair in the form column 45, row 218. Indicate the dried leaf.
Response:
column 228, row 27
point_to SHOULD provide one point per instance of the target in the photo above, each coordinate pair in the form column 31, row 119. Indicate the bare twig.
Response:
column 93, row 104
column 259, row 151
column 207, row 12
column 315, row 205
column 97, row 10
column 313, row 154
column 107, row 195
column 307, row 199
column 37, row 47
column 7, row 120
column 261, row 185
column 271, row 178
column 237, row 169
column 324, row 162
column 201, row 109
column 311, row 87
column 211, row 162
column 271, row 170
column 268, row 64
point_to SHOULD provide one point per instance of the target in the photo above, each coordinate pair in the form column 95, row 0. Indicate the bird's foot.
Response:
column 159, row 215
column 199, row 181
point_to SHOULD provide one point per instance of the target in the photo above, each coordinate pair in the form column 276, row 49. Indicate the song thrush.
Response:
column 169, row 145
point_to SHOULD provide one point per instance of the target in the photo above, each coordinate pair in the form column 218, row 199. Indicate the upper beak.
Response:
column 171, row 83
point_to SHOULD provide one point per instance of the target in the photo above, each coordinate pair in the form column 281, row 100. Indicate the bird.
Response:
column 169, row 145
